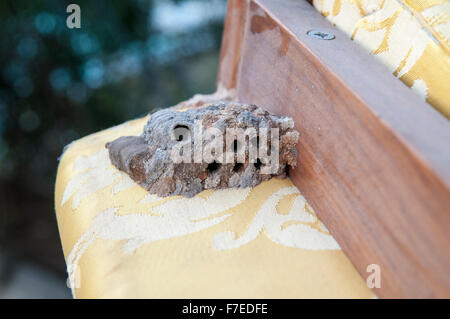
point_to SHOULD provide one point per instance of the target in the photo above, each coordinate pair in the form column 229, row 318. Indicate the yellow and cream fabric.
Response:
column 410, row 37
column 121, row 242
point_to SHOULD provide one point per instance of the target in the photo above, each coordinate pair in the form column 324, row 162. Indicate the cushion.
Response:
column 410, row 37
column 120, row 241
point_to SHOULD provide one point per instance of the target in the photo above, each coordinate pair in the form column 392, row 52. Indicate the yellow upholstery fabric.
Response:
column 121, row 242
column 410, row 37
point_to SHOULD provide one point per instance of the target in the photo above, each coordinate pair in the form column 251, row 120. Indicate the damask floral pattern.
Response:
column 110, row 227
column 410, row 37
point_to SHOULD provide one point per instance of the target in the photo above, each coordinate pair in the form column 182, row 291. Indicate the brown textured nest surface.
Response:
column 146, row 158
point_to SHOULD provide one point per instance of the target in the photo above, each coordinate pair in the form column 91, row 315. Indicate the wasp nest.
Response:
column 218, row 146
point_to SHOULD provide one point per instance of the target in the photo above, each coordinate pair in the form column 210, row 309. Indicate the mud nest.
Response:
column 218, row 146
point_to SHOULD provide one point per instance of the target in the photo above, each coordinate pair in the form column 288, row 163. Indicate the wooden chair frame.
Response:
column 374, row 158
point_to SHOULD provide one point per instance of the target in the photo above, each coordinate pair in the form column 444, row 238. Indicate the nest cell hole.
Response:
column 235, row 146
column 181, row 131
column 238, row 167
column 212, row 167
column 258, row 164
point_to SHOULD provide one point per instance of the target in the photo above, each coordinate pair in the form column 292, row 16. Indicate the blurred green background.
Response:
column 130, row 57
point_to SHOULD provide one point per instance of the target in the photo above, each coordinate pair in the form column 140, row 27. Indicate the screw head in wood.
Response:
column 322, row 35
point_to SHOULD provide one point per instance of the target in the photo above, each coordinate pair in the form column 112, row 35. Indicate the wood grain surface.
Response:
column 374, row 159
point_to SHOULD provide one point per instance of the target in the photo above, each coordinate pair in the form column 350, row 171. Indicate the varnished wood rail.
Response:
column 374, row 159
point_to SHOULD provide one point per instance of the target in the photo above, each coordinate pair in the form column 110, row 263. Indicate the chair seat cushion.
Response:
column 122, row 242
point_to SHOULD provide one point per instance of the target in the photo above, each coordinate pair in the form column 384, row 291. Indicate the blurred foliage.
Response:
column 58, row 84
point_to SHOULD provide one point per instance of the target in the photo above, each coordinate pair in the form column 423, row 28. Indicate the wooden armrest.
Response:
column 374, row 158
